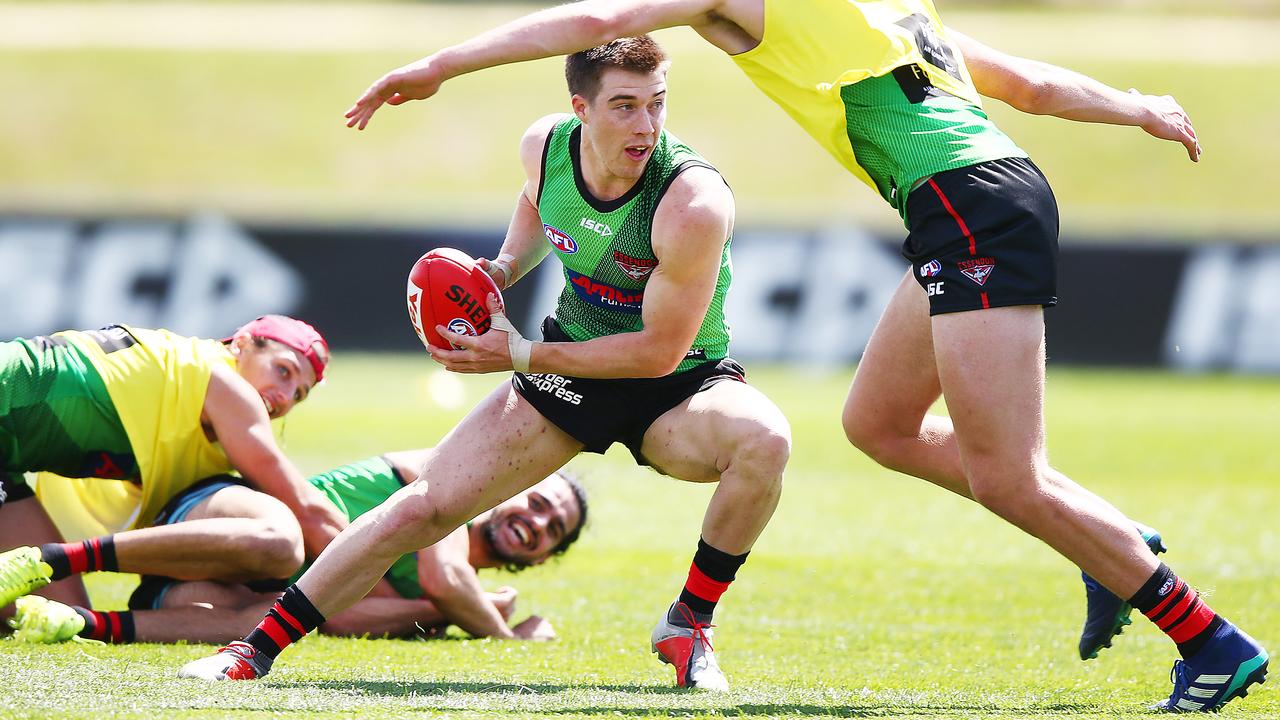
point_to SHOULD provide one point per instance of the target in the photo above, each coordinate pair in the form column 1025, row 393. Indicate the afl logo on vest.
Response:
column 560, row 240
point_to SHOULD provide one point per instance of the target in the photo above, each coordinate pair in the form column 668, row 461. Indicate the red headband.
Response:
column 296, row 334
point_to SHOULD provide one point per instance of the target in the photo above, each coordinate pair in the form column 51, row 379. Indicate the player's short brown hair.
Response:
column 583, row 70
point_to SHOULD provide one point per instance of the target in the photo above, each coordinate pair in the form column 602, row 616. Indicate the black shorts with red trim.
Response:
column 984, row 236
column 598, row 413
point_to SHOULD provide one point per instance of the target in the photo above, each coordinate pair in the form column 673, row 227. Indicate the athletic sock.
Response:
column 111, row 627
column 289, row 619
column 709, row 576
column 92, row 555
column 1178, row 610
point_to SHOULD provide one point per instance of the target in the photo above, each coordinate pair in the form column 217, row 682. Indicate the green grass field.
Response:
column 870, row 595
column 161, row 107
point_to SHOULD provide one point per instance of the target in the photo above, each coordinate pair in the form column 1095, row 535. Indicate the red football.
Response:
column 446, row 287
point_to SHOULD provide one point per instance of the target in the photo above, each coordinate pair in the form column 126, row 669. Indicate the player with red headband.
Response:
column 118, row 421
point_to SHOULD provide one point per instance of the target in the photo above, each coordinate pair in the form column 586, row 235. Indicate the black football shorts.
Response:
column 598, row 413
column 984, row 236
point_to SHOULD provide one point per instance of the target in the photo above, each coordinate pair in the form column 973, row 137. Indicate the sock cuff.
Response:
column 300, row 606
column 717, row 565
column 1154, row 590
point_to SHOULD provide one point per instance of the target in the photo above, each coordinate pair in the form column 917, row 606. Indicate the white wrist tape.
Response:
column 503, row 262
column 519, row 347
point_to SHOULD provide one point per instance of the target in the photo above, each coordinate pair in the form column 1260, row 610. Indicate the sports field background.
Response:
column 870, row 595
column 144, row 107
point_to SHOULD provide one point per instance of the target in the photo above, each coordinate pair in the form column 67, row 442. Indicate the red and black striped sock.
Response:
column 92, row 555
column 1178, row 610
column 289, row 619
column 111, row 627
column 709, row 576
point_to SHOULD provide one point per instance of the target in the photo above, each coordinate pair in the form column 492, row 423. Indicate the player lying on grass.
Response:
column 894, row 94
column 636, row 353
column 128, row 418
column 426, row 590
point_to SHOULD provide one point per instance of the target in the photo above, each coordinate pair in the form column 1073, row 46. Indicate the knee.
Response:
column 275, row 548
column 766, row 450
column 874, row 438
column 414, row 520
column 1013, row 495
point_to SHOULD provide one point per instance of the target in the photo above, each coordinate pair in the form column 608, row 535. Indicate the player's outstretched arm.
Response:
column 242, row 427
column 555, row 31
column 1043, row 89
column 451, row 584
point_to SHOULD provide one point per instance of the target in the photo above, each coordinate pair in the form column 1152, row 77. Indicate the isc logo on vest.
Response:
column 596, row 227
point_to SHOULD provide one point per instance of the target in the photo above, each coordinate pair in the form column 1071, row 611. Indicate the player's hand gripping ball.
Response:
column 446, row 287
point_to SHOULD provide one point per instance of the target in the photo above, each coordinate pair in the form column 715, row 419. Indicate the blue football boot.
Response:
column 1105, row 613
column 1222, row 670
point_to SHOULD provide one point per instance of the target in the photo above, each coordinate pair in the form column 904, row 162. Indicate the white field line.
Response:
column 413, row 29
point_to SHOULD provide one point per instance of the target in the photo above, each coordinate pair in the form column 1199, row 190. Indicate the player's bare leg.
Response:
column 730, row 434
column 502, row 447
column 991, row 366
column 887, row 412
column 235, row 534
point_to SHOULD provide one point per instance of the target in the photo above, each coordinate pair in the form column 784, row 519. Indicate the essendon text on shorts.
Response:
column 470, row 306
column 556, row 385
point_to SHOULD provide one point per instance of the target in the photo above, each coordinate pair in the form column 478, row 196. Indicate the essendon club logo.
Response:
column 635, row 268
column 977, row 269
column 560, row 240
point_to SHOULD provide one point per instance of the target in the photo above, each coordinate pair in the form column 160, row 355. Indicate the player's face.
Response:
column 280, row 374
column 525, row 529
column 625, row 118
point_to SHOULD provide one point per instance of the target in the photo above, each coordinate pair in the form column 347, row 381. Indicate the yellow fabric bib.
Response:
column 158, row 386
column 813, row 48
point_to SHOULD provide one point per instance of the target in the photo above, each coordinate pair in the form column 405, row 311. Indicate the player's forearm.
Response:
column 524, row 240
column 392, row 617
column 469, row 608
column 1072, row 96
column 564, row 30
column 625, row 355
column 320, row 519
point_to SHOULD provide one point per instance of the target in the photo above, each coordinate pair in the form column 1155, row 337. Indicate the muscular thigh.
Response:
column 991, row 363
column 239, row 502
column 696, row 439
column 897, row 378
column 501, row 447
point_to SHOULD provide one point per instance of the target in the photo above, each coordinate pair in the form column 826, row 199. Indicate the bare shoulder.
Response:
column 229, row 391
column 535, row 138
column 533, row 143
column 699, row 194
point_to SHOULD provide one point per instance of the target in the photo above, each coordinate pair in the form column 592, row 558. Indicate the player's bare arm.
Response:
column 524, row 247
column 239, row 421
column 451, row 583
column 732, row 25
column 690, row 228
column 1042, row 89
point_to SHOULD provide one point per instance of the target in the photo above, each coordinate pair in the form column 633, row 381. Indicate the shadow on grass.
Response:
column 871, row 709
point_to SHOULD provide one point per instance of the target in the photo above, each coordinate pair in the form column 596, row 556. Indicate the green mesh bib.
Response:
column 606, row 246
column 903, row 130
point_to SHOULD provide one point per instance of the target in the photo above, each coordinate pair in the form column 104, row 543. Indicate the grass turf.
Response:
column 870, row 595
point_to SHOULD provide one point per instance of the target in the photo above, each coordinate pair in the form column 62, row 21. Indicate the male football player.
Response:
column 893, row 94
